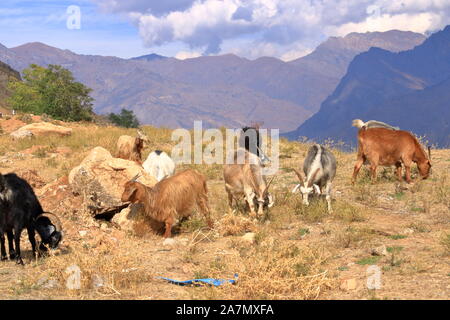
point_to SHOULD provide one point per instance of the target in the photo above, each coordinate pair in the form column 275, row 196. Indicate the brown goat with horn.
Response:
column 130, row 148
column 171, row 198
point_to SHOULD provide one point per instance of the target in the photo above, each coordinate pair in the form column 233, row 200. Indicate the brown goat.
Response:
column 386, row 147
column 130, row 148
column 171, row 198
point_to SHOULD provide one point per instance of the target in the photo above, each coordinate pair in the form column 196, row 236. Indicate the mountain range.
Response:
column 409, row 89
column 224, row 90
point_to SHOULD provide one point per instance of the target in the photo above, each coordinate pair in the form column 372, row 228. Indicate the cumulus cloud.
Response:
column 182, row 55
column 284, row 28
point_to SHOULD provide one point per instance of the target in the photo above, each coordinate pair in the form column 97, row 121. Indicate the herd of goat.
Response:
column 175, row 195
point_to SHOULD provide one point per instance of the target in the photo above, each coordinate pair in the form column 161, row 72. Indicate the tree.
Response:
column 53, row 91
column 126, row 119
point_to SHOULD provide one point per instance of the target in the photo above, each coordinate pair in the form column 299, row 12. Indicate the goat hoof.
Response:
column 3, row 258
column 12, row 255
column 19, row 261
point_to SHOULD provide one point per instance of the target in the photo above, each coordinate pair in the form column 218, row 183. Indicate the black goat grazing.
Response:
column 19, row 209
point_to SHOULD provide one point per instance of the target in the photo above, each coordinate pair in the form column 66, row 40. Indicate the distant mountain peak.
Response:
column 149, row 57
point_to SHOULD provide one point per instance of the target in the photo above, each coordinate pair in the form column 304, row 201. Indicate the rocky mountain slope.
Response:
column 407, row 89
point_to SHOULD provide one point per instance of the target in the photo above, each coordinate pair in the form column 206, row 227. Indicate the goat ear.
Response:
column 313, row 177
column 299, row 175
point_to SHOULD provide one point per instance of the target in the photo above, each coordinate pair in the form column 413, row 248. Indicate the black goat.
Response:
column 20, row 209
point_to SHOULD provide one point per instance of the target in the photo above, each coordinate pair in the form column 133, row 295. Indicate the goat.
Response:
column 159, row 165
column 19, row 209
column 130, row 148
column 319, row 168
column 247, row 180
column 381, row 146
column 171, row 198
column 358, row 123
column 250, row 140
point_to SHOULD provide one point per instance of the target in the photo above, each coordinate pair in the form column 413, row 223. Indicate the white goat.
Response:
column 159, row 165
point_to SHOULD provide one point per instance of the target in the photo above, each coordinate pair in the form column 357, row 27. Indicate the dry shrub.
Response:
column 365, row 194
column 343, row 210
column 351, row 237
column 280, row 271
column 232, row 225
column 315, row 212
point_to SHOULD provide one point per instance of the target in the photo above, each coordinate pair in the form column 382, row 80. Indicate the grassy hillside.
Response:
column 296, row 253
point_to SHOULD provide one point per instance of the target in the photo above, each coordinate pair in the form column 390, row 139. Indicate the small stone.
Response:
column 169, row 242
column 249, row 237
column 348, row 284
column 379, row 251
column 82, row 233
column 104, row 226
column 50, row 284
column 408, row 231
column 41, row 281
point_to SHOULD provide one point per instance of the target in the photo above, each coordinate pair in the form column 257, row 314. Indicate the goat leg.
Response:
column 32, row 239
column 2, row 243
column 168, row 232
column 17, row 233
column 358, row 166
column 12, row 252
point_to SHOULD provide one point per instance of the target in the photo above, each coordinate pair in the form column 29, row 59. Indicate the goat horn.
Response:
column 270, row 182
column 135, row 177
column 53, row 218
column 299, row 175
column 313, row 177
column 429, row 153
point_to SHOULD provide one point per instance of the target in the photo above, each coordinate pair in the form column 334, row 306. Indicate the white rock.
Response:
column 379, row 251
column 249, row 237
column 82, row 233
column 169, row 242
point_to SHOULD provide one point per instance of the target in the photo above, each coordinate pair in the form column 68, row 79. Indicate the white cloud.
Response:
column 182, row 55
column 285, row 28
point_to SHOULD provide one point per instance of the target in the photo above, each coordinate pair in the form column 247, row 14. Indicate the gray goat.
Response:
column 320, row 169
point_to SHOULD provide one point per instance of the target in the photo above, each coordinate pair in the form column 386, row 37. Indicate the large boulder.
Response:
column 100, row 178
column 40, row 129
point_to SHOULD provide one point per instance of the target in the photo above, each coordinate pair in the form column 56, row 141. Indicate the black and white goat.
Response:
column 319, row 168
column 20, row 209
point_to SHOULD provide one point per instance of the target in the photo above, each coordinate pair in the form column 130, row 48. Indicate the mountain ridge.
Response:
column 159, row 91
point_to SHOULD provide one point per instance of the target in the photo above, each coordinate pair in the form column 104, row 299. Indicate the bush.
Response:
column 52, row 91
column 126, row 119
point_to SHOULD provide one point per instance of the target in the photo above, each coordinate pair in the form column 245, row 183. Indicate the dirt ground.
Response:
column 295, row 253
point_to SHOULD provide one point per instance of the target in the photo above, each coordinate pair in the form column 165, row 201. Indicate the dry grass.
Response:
column 280, row 271
column 298, row 252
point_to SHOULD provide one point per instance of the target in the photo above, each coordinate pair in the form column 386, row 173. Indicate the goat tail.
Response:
column 358, row 123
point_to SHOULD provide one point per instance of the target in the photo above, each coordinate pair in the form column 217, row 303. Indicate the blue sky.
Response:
column 285, row 29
